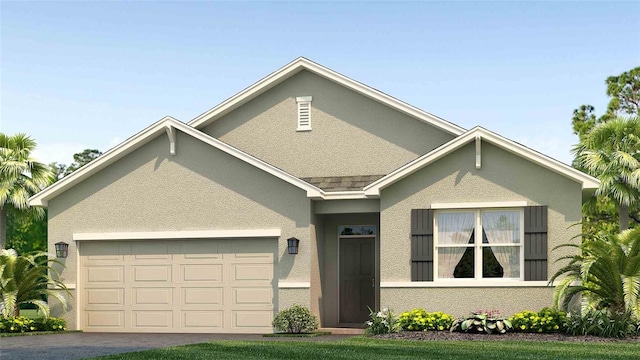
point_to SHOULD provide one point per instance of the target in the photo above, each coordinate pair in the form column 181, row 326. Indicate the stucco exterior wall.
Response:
column 454, row 179
column 352, row 134
column 200, row 188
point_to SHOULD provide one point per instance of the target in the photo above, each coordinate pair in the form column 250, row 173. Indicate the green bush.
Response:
column 295, row 320
column 483, row 322
column 545, row 321
column 602, row 323
column 420, row 320
column 22, row 324
column 381, row 322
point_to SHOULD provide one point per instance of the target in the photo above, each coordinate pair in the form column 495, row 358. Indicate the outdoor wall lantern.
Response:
column 62, row 249
column 292, row 245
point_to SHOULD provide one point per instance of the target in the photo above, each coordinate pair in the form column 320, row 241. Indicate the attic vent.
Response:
column 304, row 113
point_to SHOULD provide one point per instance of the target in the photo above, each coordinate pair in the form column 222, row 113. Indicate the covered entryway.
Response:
column 357, row 279
column 208, row 285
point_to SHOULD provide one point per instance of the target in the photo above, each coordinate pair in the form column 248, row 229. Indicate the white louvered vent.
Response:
column 304, row 113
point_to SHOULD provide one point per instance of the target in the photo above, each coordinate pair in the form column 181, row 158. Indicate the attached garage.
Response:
column 177, row 286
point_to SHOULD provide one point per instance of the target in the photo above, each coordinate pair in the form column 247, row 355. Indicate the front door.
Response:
column 357, row 279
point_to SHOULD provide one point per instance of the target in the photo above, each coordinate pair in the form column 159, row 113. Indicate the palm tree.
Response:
column 611, row 152
column 28, row 279
column 606, row 271
column 20, row 178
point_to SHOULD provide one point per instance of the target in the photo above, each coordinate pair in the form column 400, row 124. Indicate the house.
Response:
column 185, row 227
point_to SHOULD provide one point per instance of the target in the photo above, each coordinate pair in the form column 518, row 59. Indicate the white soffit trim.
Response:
column 203, row 234
column 587, row 181
column 302, row 63
column 148, row 134
column 479, row 205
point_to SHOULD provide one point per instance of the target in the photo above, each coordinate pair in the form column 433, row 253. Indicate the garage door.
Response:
column 221, row 285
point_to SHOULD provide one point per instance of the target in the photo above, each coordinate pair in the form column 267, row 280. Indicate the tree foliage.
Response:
column 602, row 213
column 20, row 178
column 605, row 271
column 27, row 279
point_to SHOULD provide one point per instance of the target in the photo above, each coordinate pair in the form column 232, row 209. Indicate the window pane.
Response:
column 455, row 228
column 501, row 261
column 456, row 262
column 501, row 227
column 357, row 230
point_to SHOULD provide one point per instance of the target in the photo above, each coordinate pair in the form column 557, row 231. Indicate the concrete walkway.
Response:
column 71, row 346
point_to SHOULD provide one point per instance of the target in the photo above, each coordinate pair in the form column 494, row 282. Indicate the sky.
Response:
column 90, row 74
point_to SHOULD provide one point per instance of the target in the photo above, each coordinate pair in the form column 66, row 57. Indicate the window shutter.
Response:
column 304, row 113
column 535, row 243
column 422, row 245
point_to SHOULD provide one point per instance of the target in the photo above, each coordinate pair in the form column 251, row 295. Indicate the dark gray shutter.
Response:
column 421, row 245
column 535, row 243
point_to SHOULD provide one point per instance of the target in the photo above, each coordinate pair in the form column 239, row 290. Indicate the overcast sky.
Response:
column 77, row 75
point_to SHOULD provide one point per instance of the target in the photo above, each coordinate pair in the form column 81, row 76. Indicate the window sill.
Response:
column 463, row 284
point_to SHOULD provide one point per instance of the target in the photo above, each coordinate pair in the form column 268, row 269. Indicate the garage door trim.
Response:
column 183, row 235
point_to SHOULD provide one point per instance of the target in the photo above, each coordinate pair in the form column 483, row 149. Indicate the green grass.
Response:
column 34, row 333
column 366, row 349
column 313, row 334
column 30, row 313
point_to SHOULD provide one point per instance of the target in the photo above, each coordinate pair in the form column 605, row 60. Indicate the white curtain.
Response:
column 453, row 228
column 503, row 227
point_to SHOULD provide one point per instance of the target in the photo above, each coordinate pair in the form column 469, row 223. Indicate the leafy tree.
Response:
column 611, row 152
column 20, row 178
column 27, row 279
column 606, row 271
column 601, row 213
column 80, row 160
column 25, row 233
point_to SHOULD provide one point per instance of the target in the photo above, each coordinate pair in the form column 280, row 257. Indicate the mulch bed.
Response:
column 446, row 335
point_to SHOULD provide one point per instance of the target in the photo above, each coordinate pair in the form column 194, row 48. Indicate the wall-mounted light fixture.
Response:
column 292, row 245
column 62, row 249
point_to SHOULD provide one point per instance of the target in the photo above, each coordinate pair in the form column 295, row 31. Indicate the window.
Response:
column 304, row 113
column 479, row 244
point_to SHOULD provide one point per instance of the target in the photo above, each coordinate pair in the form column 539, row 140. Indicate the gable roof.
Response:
column 589, row 183
column 302, row 63
column 168, row 125
column 342, row 183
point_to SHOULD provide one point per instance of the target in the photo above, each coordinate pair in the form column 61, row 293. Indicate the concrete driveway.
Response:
column 71, row 346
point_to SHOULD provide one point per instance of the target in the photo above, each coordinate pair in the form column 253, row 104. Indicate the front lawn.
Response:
column 366, row 349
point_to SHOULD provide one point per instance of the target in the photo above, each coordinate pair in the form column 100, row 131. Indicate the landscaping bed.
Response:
column 511, row 336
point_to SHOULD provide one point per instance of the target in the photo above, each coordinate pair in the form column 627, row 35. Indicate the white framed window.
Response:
column 304, row 113
column 479, row 244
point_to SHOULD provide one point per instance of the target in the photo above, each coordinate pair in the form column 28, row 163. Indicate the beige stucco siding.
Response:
column 200, row 188
column 352, row 134
column 454, row 179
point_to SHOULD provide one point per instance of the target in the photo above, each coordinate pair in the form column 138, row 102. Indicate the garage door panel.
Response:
column 104, row 274
column 105, row 319
column 106, row 296
column 151, row 273
column 151, row 251
column 251, row 319
column 252, row 296
column 203, row 296
column 152, row 319
column 178, row 285
column 203, row 319
column 251, row 272
column 202, row 272
column 200, row 250
column 152, row 296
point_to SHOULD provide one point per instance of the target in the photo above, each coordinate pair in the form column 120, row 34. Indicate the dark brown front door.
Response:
column 357, row 279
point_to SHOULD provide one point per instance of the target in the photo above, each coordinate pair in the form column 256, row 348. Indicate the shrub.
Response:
column 545, row 321
column 50, row 324
column 602, row 323
column 381, row 322
column 479, row 322
column 295, row 320
column 420, row 320
column 22, row 324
